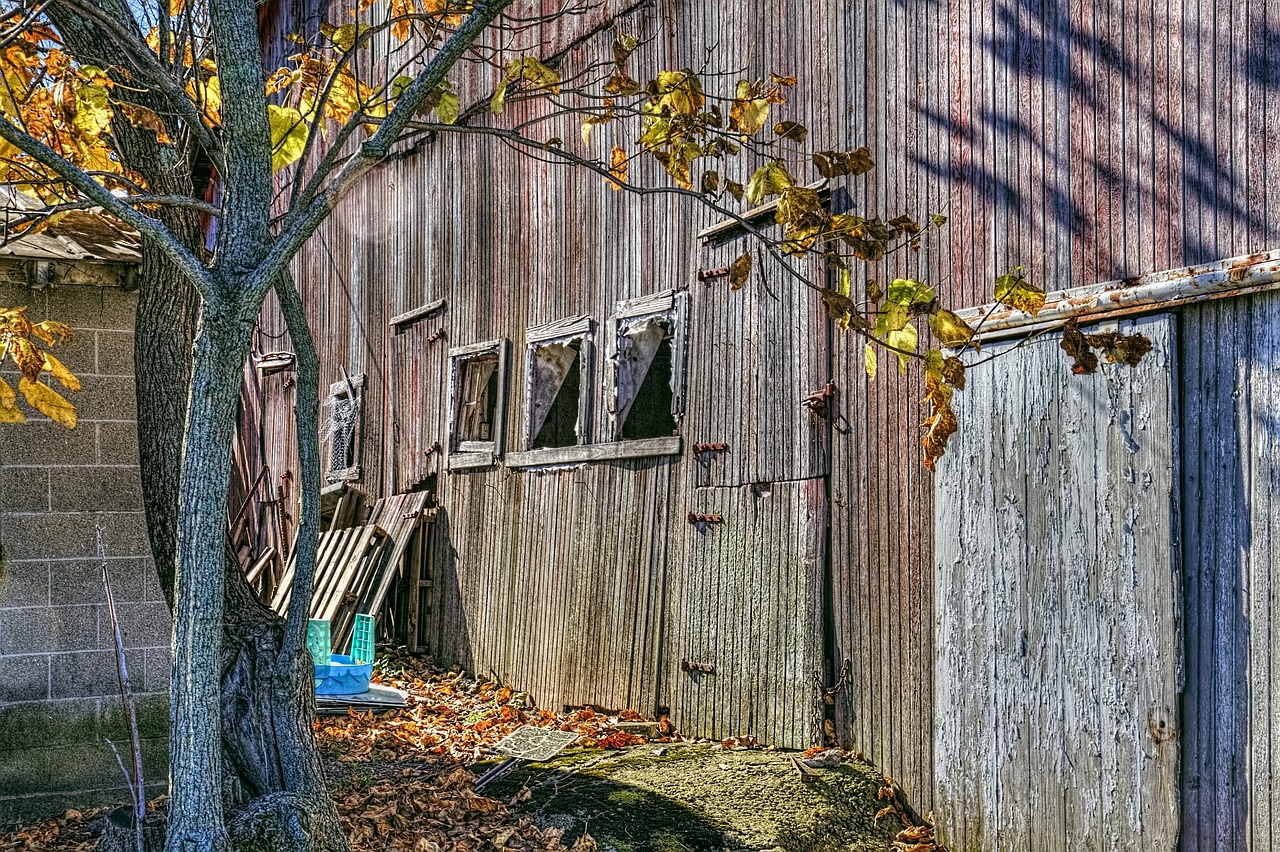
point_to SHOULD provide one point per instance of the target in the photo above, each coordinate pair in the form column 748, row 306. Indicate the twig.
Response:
column 137, row 786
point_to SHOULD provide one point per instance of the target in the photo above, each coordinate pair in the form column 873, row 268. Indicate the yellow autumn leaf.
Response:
column 93, row 111
column 48, row 402
column 9, row 411
column 58, row 370
column 288, row 135
column 617, row 168
column 869, row 353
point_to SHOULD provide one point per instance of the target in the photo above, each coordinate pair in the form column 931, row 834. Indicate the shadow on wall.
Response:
column 448, row 637
column 1140, row 141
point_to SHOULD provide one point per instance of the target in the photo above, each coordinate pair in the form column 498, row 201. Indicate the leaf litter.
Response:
column 400, row 779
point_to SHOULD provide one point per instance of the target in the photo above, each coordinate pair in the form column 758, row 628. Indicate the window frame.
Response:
column 671, row 305
column 460, row 454
column 344, row 387
column 581, row 329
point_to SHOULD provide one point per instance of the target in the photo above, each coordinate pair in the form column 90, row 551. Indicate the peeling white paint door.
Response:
column 1059, row 656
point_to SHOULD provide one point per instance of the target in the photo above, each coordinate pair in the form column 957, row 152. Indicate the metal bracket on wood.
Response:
column 438, row 334
column 690, row 666
column 817, row 402
column 699, row 449
column 432, row 450
column 705, row 518
column 708, row 274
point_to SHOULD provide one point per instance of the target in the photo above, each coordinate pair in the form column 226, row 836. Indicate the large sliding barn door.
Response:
column 1059, row 654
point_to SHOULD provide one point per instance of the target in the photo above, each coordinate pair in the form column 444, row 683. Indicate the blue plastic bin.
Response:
column 343, row 676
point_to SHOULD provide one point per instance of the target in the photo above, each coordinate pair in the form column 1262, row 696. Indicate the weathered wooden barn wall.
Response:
column 1086, row 142
column 1059, row 605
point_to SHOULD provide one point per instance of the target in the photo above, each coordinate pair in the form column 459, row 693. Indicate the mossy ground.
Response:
column 698, row 797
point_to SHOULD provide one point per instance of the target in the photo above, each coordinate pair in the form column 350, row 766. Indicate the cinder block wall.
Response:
column 59, row 698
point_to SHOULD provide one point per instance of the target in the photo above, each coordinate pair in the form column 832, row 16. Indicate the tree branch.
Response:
column 144, row 224
column 300, row 225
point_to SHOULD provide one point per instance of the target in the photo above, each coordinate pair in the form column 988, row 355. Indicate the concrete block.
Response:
column 153, row 718
column 24, row 583
column 24, row 678
column 24, row 489
column 80, row 581
column 95, row 489
column 117, row 444
column 91, row 306
column 115, row 353
column 48, row 536
column 59, row 768
column 50, row 723
column 24, row 810
column 158, row 662
column 144, row 625
column 89, row 673
column 79, row 354
column 79, row 628
column 106, row 398
column 42, row 443
column 28, row 630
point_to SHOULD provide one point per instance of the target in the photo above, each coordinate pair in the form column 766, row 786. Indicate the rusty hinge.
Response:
column 432, row 450
column 438, row 334
column 817, row 401
column 690, row 666
column 708, row 274
column 705, row 518
column 699, row 449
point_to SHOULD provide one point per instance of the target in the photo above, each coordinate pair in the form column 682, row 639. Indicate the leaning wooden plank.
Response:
column 412, row 512
column 346, row 570
column 324, row 550
column 328, row 560
column 347, row 542
column 366, row 572
column 258, row 567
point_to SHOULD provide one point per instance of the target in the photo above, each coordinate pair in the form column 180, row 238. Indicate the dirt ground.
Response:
column 701, row 797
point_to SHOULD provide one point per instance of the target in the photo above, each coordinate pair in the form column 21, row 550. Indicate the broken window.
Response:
column 647, row 340
column 477, row 379
column 342, row 427
column 557, row 412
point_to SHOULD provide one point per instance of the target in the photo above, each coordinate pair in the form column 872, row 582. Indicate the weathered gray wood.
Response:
column 398, row 321
column 637, row 449
column 1059, row 625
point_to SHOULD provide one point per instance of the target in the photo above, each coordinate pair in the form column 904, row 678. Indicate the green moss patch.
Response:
column 696, row 797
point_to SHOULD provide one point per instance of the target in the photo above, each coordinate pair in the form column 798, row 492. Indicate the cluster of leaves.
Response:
column 454, row 717
column 914, row 837
column 1117, row 348
column 23, row 342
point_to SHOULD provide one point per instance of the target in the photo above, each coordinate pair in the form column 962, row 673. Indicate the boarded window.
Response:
column 557, row 399
column 477, row 379
column 342, row 428
column 647, row 350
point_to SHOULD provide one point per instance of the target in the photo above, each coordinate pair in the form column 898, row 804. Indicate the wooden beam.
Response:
column 582, row 453
column 400, row 322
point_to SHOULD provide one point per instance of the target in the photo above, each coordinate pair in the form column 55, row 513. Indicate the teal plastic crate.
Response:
column 362, row 639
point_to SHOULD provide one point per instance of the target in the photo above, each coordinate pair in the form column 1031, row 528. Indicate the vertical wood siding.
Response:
column 1059, row 622
column 1085, row 141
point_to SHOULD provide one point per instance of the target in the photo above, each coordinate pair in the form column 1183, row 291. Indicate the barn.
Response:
column 646, row 490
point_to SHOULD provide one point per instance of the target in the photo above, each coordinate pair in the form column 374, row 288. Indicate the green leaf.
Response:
column 869, row 356
column 904, row 291
column 343, row 37
column 288, row 136
column 93, row 110
column 846, row 284
column 499, row 98
column 771, row 179
column 893, row 318
column 398, row 85
column 904, row 339
column 949, row 328
column 449, row 108
column 1013, row 290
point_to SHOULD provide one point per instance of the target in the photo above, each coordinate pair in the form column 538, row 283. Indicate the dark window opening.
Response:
column 645, row 379
column 555, row 403
column 478, row 399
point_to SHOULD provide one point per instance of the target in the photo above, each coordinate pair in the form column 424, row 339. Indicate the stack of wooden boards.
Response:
column 356, row 567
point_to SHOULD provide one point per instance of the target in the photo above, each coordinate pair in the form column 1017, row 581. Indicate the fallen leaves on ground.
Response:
column 913, row 837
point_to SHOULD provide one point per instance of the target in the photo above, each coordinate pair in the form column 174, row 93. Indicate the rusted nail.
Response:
column 437, row 335
column 705, row 668
column 710, row 448
column 705, row 518
column 708, row 274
